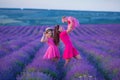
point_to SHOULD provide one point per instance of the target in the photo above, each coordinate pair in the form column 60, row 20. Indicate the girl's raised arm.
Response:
column 43, row 39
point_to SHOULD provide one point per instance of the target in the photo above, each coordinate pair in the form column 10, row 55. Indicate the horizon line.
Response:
column 60, row 9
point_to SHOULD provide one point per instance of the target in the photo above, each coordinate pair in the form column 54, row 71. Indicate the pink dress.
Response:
column 74, row 21
column 69, row 50
column 52, row 51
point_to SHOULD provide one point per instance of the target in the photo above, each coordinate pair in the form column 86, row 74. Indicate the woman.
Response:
column 52, row 51
column 69, row 51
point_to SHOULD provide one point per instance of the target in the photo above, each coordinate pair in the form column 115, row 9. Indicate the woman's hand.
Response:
column 70, row 26
column 69, row 29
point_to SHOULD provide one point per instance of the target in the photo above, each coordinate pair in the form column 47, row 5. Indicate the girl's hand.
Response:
column 44, row 39
column 44, row 33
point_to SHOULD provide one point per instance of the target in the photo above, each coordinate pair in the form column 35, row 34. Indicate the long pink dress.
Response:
column 52, row 51
column 69, row 50
column 74, row 21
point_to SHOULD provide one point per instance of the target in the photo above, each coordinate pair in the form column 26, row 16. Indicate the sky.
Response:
column 89, row 5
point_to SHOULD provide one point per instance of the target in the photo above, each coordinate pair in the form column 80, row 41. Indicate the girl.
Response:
column 52, row 51
column 69, row 50
column 72, row 22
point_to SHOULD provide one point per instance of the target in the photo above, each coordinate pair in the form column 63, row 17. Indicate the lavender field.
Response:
column 21, row 54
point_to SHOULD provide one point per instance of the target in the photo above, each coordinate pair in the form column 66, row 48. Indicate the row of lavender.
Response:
column 17, row 49
column 98, row 45
column 13, row 38
column 102, row 50
column 39, row 69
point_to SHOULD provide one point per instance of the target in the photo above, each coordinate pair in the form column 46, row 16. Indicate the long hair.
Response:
column 56, row 35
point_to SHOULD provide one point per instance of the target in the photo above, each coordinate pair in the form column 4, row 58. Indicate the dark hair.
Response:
column 49, row 31
column 56, row 35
